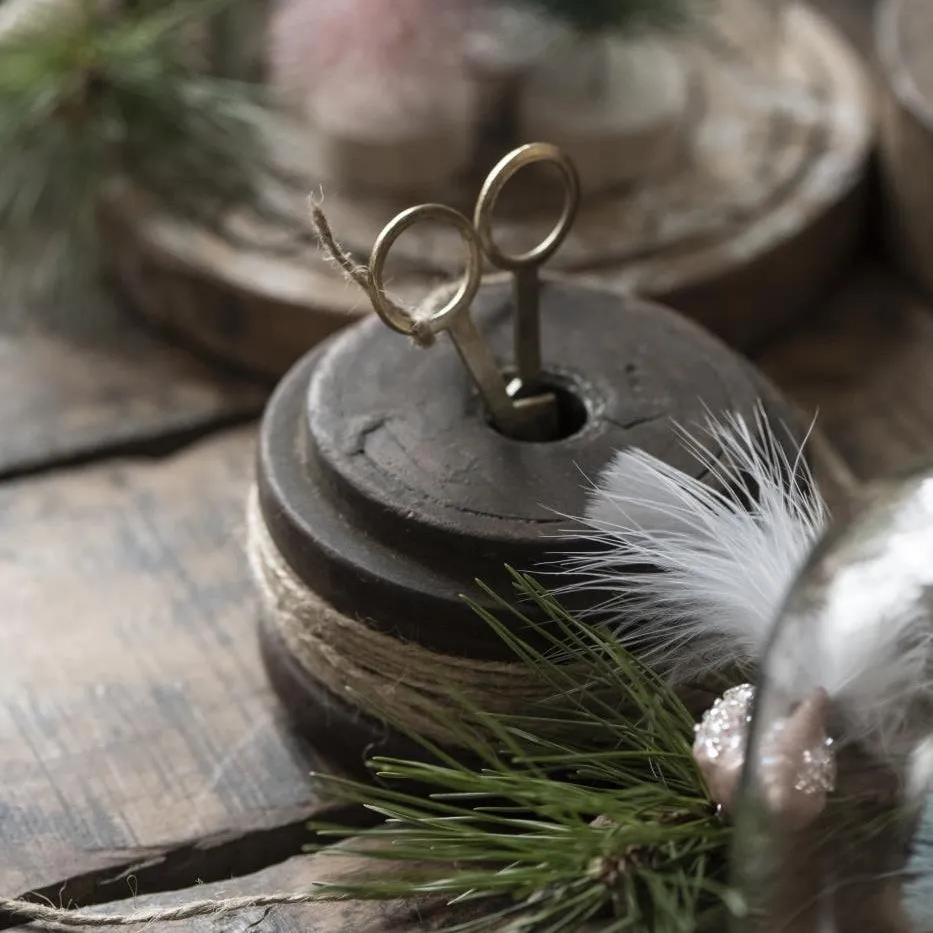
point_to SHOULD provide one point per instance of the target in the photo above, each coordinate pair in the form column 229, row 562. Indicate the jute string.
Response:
column 394, row 680
column 421, row 333
column 62, row 918
column 47, row 916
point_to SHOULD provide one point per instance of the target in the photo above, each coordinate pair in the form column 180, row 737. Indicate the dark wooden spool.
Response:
column 388, row 492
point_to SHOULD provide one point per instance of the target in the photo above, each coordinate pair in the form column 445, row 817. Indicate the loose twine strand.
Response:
column 50, row 917
column 57, row 918
column 421, row 333
column 386, row 677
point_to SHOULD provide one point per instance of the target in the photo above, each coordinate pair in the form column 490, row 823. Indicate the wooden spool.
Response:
column 758, row 211
column 392, row 498
column 904, row 31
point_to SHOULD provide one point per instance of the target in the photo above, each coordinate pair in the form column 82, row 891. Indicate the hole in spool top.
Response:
column 572, row 411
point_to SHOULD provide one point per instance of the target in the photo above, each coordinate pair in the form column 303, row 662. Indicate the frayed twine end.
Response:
column 420, row 334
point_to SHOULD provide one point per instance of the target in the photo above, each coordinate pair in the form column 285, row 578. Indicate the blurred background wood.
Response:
column 854, row 19
column 760, row 207
column 82, row 380
column 865, row 364
column 903, row 37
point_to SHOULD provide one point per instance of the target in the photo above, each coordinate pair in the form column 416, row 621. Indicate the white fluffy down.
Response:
column 693, row 575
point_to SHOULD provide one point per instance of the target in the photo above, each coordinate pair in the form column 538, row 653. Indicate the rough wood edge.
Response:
column 263, row 315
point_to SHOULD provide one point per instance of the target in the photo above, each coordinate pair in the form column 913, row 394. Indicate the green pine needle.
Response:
column 590, row 809
column 108, row 96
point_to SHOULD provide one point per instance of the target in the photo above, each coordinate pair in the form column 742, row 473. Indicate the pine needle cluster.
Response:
column 113, row 92
column 589, row 812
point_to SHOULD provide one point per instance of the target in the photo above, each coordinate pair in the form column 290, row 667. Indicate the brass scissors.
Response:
column 518, row 407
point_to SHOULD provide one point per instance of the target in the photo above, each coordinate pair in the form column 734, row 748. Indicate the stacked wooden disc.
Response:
column 752, row 220
column 904, row 32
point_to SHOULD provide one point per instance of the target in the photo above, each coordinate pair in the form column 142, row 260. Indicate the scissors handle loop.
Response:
column 398, row 318
column 498, row 178
column 523, row 408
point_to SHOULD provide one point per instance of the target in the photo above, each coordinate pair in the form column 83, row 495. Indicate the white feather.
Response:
column 695, row 571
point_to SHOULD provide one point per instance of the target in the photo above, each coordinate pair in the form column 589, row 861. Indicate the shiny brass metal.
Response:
column 520, row 407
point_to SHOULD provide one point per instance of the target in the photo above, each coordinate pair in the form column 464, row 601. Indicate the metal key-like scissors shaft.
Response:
column 522, row 407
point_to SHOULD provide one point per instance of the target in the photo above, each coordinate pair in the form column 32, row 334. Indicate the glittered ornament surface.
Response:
column 796, row 760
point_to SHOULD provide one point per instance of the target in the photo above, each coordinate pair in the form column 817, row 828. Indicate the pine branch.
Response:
column 590, row 808
column 106, row 95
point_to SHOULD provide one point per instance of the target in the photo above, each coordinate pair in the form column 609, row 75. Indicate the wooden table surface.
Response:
column 141, row 751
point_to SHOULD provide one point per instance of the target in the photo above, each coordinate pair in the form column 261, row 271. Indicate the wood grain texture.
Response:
column 137, row 732
column 865, row 364
column 82, row 379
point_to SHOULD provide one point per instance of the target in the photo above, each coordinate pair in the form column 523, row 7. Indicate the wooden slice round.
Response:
column 904, row 33
column 755, row 219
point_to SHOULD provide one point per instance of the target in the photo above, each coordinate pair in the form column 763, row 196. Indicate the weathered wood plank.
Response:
column 854, row 20
column 85, row 378
column 865, row 364
column 136, row 725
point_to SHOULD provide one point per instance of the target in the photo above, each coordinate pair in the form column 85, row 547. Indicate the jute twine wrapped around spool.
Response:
column 750, row 208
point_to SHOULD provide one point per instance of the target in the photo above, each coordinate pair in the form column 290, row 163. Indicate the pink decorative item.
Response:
column 377, row 69
column 798, row 766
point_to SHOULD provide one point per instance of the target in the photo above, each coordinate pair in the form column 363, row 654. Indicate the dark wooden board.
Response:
column 137, row 731
column 865, row 365
column 83, row 378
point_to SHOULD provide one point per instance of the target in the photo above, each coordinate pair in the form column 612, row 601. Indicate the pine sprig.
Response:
column 590, row 809
column 104, row 95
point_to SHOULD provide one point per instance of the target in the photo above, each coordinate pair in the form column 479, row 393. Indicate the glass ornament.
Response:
column 858, row 624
